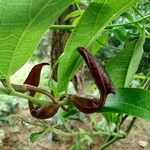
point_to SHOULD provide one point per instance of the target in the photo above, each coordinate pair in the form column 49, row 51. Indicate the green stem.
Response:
column 37, row 101
column 146, row 84
column 132, row 22
column 10, row 90
column 137, row 11
column 55, row 64
column 75, row 133
column 103, row 147
column 34, row 100
column 62, row 27
column 70, row 27
column 131, row 125
column 147, row 37
column 8, row 84
column 110, row 47
column 115, row 139
column 26, row 88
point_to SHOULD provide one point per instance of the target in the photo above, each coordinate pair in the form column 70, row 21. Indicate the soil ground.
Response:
column 17, row 138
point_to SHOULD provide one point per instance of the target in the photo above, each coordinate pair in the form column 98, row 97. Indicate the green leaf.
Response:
column 131, row 101
column 22, row 24
column 97, row 16
column 36, row 136
column 122, row 67
column 53, row 87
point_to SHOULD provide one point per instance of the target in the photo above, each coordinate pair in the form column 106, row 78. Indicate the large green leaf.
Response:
column 97, row 16
column 122, row 67
column 129, row 101
column 22, row 24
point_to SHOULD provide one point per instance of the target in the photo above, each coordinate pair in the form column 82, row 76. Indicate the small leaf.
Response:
column 36, row 136
column 53, row 87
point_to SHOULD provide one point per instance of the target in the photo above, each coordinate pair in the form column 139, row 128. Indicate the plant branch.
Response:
column 18, row 90
column 115, row 139
column 110, row 47
column 103, row 147
column 62, row 27
column 130, row 125
column 25, row 88
column 138, row 12
column 128, row 25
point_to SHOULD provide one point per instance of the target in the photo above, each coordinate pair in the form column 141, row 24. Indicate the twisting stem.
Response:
column 27, row 87
column 14, row 90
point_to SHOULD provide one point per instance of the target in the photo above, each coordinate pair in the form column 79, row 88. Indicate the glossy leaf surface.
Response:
column 22, row 24
column 129, row 101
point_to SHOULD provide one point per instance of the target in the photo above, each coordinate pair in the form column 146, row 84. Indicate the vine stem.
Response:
column 115, row 139
column 137, row 11
column 75, row 133
column 131, row 125
column 18, row 90
column 109, row 143
column 70, row 27
column 49, row 128
column 62, row 27
column 26, row 88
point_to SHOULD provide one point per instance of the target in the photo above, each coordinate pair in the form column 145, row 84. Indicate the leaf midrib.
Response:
column 135, row 106
column 23, row 33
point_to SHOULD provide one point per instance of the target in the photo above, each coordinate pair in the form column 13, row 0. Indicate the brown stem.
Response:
column 26, row 87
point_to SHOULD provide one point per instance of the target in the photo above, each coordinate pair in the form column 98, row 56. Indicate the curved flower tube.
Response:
column 33, row 79
column 102, row 81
